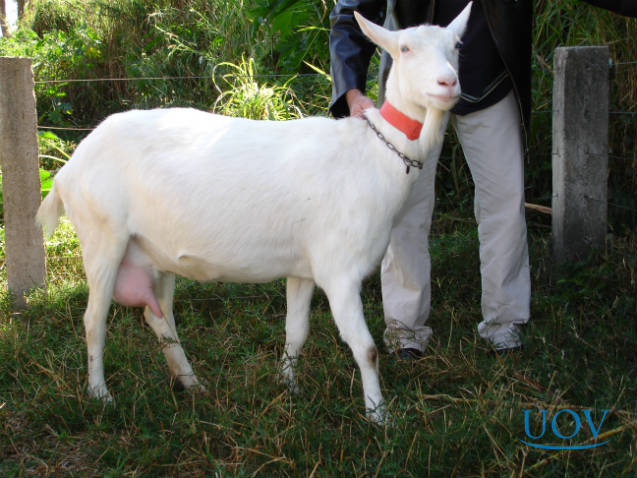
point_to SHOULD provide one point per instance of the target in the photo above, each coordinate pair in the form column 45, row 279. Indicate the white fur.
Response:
column 180, row 191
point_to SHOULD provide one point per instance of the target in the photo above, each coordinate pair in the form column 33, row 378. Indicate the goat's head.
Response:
column 424, row 74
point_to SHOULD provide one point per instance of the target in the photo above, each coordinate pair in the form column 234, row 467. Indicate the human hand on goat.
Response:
column 357, row 102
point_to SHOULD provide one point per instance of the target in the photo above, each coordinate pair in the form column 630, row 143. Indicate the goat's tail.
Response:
column 50, row 210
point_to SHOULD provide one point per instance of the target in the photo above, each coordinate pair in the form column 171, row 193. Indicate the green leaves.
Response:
column 46, row 182
column 296, row 30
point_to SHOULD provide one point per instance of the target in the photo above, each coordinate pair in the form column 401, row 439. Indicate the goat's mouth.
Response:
column 445, row 100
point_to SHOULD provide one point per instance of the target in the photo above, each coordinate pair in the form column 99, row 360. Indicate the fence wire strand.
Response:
column 170, row 78
column 287, row 75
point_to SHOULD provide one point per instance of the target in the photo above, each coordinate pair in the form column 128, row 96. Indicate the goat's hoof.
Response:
column 290, row 382
column 100, row 393
column 188, row 382
column 293, row 388
column 380, row 416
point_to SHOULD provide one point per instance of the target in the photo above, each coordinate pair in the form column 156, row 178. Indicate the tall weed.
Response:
column 244, row 96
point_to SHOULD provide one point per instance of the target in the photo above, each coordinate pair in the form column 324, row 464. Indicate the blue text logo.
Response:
column 569, row 416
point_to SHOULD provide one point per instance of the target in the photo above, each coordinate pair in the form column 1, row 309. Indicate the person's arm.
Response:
column 350, row 53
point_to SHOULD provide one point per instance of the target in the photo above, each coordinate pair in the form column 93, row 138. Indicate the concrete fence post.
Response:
column 24, row 248
column 580, row 151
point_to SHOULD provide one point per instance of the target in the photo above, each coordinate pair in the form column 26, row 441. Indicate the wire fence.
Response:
column 257, row 76
column 632, row 115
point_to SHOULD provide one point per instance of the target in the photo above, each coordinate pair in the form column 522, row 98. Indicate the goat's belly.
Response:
column 211, row 265
column 205, row 270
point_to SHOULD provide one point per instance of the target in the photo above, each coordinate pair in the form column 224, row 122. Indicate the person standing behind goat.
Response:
column 492, row 122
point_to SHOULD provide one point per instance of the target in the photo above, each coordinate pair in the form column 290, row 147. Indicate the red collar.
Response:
column 410, row 127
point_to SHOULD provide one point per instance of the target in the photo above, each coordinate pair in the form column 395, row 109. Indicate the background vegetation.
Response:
column 458, row 411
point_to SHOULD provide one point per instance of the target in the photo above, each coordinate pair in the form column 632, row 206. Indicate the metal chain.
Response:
column 407, row 160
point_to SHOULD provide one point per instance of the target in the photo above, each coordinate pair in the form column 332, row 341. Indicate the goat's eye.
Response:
column 404, row 49
column 458, row 45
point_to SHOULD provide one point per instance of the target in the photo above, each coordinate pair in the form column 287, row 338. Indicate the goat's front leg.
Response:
column 166, row 331
column 347, row 309
column 297, row 326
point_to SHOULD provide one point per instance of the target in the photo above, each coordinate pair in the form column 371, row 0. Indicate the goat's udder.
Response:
column 133, row 288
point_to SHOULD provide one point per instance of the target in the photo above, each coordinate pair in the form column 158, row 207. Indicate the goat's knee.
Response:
column 372, row 357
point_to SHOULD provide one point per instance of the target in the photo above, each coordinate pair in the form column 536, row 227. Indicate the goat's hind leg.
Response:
column 102, row 254
column 166, row 331
column 297, row 326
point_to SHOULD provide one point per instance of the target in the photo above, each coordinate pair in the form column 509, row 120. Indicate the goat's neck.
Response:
column 432, row 131
column 406, row 107
column 430, row 135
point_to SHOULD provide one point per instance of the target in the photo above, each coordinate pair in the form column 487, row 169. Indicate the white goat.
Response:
column 178, row 191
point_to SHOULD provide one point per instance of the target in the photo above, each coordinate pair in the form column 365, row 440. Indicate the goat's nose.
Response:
column 448, row 81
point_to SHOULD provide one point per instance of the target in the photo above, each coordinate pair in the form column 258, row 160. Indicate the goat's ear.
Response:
column 459, row 24
column 384, row 38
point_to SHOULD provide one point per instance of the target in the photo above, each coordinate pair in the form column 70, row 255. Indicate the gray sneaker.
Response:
column 506, row 339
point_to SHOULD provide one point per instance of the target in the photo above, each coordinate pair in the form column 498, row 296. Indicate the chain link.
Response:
column 406, row 159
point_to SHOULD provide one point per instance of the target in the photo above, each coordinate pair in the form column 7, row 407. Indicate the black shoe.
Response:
column 509, row 351
column 409, row 354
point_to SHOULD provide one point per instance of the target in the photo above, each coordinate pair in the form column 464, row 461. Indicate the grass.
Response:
column 458, row 411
